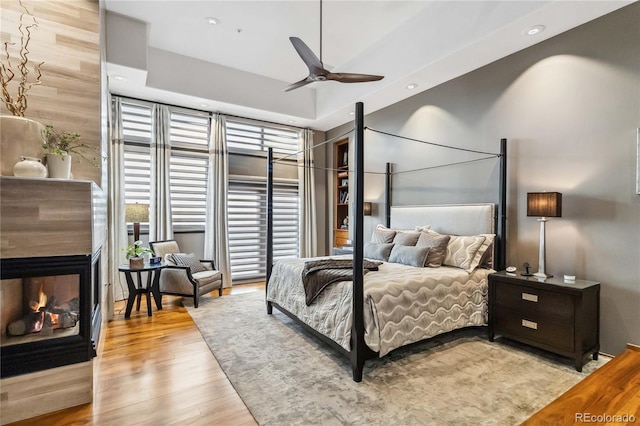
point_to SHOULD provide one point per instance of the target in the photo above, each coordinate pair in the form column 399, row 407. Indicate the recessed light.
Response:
column 203, row 105
column 536, row 29
column 291, row 121
column 212, row 21
column 411, row 86
column 118, row 77
column 352, row 113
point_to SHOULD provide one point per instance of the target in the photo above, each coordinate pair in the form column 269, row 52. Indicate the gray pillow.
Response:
column 437, row 244
column 378, row 251
column 409, row 255
column 382, row 235
column 404, row 238
column 189, row 260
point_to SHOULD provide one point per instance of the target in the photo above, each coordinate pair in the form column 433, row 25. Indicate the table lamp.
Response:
column 136, row 213
column 543, row 205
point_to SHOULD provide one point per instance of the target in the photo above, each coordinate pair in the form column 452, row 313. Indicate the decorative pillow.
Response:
column 409, row 255
column 462, row 250
column 406, row 238
column 378, row 251
column 382, row 235
column 189, row 260
column 423, row 228
column 484, row 256
column 437, row 244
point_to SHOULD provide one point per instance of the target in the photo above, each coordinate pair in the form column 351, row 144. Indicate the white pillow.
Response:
column 462, row 250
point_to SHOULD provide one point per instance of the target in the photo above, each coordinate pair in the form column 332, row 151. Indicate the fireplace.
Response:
column 50, row 312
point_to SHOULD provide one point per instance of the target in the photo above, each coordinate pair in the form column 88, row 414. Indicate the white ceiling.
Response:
column 241, row 65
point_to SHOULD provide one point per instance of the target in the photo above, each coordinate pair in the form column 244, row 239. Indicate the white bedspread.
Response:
column 403, row 304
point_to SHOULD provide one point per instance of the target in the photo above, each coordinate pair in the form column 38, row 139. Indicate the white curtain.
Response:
column 308, row 231
column 117, row 235
column 160, row 226
column 216, row 241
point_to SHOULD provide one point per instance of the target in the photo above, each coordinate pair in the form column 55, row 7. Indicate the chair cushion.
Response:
column 207, row 277
column 189, row 260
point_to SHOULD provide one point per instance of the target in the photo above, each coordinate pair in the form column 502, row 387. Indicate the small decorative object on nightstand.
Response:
column 553, row 315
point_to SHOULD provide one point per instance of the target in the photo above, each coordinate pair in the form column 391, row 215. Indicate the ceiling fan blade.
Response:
column 307, row 55
column 298, row 84
column 345, row 77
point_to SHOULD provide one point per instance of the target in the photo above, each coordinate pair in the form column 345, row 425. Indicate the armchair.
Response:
column 181, row 278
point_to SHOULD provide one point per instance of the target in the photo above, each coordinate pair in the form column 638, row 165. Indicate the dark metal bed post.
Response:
column 269, row 221
column 358, row 345
column 387, row 196
column 502, row 209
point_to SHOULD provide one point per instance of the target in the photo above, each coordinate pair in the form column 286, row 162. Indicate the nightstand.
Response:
column 551, row 314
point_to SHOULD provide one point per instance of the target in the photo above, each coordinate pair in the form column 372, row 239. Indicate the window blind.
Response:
column 248, row 226
column 247, row 135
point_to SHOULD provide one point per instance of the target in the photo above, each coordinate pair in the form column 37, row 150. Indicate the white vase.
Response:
column 19, row 137
column 30, row 167
column 59, row 166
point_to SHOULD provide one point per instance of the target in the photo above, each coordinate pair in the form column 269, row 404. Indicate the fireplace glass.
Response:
column 47, row 312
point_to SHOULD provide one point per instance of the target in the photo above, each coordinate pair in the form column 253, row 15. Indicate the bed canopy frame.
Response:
column 359, row 350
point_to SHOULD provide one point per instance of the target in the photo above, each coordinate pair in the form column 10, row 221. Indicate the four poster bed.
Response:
column 403, row 298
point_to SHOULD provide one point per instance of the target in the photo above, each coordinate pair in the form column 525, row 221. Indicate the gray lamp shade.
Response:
column 136, row 213
column 544, row 204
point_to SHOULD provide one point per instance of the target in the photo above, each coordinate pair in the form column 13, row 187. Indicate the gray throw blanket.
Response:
column 318, row 274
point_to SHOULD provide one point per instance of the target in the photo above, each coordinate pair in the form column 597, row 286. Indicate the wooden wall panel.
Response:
column 68, row 42
column 45, row 217
column 31, row 395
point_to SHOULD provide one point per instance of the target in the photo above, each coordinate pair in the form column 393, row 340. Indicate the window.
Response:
column 189, row 134
column 248, row 226
column 248, row 200
column 247, row 135
column 248, row 141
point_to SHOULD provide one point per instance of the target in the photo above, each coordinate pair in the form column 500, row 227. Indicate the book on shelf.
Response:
column 343, row 174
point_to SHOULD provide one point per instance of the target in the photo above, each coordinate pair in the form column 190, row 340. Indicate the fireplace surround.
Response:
column 52, row 239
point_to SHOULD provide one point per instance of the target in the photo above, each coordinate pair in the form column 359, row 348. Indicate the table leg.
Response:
column 139, row 291
column 148, row 293
column 132, row 294
column 155, row 289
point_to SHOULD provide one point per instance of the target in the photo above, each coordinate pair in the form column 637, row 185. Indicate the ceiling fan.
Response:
column 317, row 71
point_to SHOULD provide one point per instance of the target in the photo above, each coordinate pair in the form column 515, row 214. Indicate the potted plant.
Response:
column 134, row 253
column 59, row 146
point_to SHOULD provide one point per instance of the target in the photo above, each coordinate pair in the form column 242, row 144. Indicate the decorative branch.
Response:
column 18, row 105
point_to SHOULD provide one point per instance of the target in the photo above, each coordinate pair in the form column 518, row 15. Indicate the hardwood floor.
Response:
column 611, row 395
column 157, row 370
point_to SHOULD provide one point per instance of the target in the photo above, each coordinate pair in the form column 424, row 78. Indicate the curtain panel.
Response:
column 117, row 236
column 308, row 231
column 160, row 226
column 216, row 241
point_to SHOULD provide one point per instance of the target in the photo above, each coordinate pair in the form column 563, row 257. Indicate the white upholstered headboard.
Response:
column 453, row 219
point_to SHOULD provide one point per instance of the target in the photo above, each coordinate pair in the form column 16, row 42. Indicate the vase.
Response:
column 30, row 167
column 59, row 166
column 19, row 137
column 136, row 262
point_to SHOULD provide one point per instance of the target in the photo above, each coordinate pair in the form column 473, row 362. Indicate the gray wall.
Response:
column 569, row 107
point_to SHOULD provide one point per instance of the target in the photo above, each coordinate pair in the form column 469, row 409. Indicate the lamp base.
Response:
column 542, row 275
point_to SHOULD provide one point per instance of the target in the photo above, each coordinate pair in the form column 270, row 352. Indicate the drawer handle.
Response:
column 530, row 324
column 530, row 297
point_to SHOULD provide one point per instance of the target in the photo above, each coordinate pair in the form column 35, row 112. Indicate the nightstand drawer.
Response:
column 535, row 328
column 558, row 306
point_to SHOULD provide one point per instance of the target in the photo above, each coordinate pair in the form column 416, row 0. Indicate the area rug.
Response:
column 286, row 376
